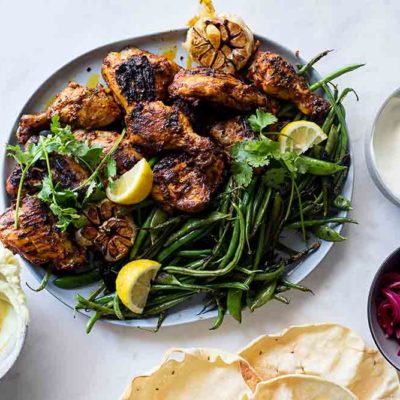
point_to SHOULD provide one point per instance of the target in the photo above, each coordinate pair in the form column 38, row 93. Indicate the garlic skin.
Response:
column 222, row 42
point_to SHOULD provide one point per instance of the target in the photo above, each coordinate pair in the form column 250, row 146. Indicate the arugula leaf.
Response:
column 242, row 173
column 261, row 119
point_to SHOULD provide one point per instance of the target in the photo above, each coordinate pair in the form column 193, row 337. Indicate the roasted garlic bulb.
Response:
column 222, row 42
column 108, row 230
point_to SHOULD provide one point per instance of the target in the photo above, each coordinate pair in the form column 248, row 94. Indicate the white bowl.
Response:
column 377, row 150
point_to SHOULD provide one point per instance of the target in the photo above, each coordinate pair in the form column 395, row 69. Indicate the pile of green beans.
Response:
column 232, row 253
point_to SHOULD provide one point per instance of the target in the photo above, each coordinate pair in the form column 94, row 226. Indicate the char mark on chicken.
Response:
column 65, row 171
column 38, row 239
column 76, row 105
column 216, row 87
column 125, row 155
column 136, row 75
column 180, row 185
column 156, row 127
column 231, row 131
column 275, row 76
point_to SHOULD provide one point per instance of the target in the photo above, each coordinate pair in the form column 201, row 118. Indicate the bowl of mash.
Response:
column 14, row 314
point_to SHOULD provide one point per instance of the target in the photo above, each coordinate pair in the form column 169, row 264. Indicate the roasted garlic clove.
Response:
column 109, row 230
column 222, row 42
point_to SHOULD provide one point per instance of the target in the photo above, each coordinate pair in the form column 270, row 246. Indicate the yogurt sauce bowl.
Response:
column 14, row 314
column 383, row 149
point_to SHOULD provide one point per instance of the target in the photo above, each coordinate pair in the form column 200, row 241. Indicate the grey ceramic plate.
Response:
column 81, row 69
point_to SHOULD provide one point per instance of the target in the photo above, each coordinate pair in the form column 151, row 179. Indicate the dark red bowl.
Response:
column 387, row 346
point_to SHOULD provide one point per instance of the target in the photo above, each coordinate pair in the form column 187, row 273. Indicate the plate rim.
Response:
column 120, row 44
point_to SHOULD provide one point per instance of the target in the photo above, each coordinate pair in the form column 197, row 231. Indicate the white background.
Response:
column 59, row 360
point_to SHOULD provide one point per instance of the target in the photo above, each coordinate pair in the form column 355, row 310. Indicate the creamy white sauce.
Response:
column 14, row 314
column 387, row 146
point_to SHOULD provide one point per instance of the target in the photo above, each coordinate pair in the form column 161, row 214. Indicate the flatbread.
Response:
column 301, row 387
column 330, row 351
column 195, row 374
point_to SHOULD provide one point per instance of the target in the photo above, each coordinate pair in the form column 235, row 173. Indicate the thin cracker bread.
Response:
column 199, row 374
column 330, row 351
column 301, row 387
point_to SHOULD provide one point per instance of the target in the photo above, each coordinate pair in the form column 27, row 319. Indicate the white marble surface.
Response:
column 59, row 360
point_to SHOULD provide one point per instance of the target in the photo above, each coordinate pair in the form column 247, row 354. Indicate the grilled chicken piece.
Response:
column 78, row 106
column 126, row 156
column 37, row 238
column 227, row 133
column 216, row 87
column 109, row 230
column 179, row 185
column 156, row 127
column 136, row 75
column 275, row 76
column 65, row 171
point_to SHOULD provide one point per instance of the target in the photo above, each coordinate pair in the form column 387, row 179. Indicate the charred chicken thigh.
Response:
column 180, row 185
column 38, row 239
column 275, row 76
column 76, row 105
column 136, row 75
column 65, row 171
column 216, row 87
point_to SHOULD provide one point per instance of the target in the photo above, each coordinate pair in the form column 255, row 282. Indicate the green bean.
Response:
column 92, row 320
column 189, row 237
column 161, row 299
column 331, row 143
column 43, row 283
column 296, row 258
column 256, row 204
column 295, row 286
column 166, row 279
column 141, row 236
column 195, row 224
column 270, row 276
column 260, row 249
column 226, row 266
column 318, row 222
column 318, row 167
column 342, row 203
column 159, row 217
column 152, row 161
column 194, row 253
column 94, row 306
column 105, row 299
column 262, row 210
column 96, row 292
column 171, row 221
column 334, row 75
column 264, row 296
column 117, row 309
column 166, row 306
column 281, row 298
column 221, row 314
column 234, row 304
column 326, row 126
column 305, row 68
column 325, row 232
column 77, row 281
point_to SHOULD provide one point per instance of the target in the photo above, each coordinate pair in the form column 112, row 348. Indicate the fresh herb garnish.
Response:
column 65, row 203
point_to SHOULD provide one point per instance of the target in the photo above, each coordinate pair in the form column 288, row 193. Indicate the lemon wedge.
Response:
column 134, row 281
column 299, row 136
column 133, row 186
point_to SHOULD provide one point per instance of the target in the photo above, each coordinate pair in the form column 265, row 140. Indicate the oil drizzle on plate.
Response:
column 92, row 81
column 169, row 52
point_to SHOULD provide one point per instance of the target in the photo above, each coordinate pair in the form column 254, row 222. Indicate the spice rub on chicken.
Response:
column 216, row 87
column 38, row 239
column 275, row 76
column 76, row 105
column 180, row 185
column 136, row 75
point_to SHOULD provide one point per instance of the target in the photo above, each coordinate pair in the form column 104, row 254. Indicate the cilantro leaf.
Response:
column 276, row 177
column 242, row 173
column 261, row 119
